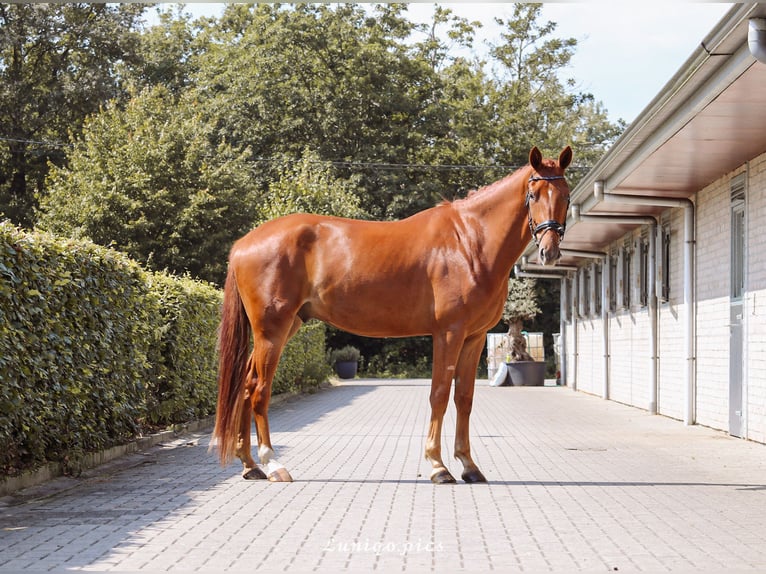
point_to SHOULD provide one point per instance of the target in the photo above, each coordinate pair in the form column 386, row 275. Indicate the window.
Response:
column 585, row 293
column 596, row 274
column 566, row 297
column 574, row 295
column 612, row 261
column 623, row 276
column 663, row 272
column 642, row 269
column 738, row 236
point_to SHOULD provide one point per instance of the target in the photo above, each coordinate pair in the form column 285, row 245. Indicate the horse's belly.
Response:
column 372, row 317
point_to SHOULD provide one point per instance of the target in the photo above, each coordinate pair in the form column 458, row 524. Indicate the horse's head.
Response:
column 548, row 202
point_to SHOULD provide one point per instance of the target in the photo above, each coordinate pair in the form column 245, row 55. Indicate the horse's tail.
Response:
column 233, row 365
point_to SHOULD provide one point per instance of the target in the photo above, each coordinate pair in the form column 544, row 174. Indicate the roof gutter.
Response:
column 661, row 118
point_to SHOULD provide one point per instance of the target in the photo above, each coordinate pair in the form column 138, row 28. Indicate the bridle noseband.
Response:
column 550, row 224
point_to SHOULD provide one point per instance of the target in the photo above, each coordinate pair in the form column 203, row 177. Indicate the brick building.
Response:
column 664, row 279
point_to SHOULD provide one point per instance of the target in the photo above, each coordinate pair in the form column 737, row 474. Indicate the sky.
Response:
column 626, row 52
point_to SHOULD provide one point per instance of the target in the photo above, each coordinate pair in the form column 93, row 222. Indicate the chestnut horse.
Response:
column 442, row 272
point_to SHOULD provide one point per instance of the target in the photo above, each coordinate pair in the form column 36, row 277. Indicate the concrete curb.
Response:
column 12, row 484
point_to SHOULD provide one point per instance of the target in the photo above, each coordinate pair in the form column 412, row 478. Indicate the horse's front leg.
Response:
column 446, row 350
column 465, row 381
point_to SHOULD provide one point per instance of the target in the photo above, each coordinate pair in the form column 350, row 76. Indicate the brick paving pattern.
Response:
column 576, row 484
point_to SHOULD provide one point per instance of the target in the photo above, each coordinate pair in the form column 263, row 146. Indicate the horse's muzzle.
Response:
column 549, row 252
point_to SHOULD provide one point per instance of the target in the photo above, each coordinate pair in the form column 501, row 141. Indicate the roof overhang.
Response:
column 709, row 119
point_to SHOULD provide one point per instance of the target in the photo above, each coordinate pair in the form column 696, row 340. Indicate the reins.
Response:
column 550, row 224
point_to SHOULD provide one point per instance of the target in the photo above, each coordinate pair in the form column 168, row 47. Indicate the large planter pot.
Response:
column 346, row 369
column 527, row 373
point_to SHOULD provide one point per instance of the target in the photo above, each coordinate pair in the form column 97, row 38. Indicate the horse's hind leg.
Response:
column 465, row 380
column 251, row 471
column 266, row 353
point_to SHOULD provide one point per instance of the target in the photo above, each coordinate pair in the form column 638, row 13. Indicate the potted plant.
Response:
column 521, row 305
column 346, row 361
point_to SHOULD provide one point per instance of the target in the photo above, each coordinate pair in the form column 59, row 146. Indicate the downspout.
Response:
column 689, row 302
column 545, row 272
column 573, row 311
column 563, row 331
column 651, row 295
column 605, row 296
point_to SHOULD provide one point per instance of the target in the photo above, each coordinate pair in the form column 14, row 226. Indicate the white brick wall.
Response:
column 589, row 370
column 629, row 329
column 629, row 358
column 672, row 328
column 713, row 277
column 755, row 304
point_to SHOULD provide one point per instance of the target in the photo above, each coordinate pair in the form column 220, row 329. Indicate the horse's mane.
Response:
column 473, row 193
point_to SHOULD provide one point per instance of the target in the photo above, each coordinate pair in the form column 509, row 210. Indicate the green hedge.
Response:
column 75, row 332
column 94, row 350
column 182, row 383
column 303, row 365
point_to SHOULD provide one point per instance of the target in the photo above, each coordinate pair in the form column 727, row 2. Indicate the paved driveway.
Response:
column 576, row 483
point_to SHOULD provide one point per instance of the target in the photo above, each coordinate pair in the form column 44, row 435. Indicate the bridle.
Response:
column 550, row 224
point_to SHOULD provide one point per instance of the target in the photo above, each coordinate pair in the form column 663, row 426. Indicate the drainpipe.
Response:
column 574, row 333
column 534, row 274
column 689, row 302
column 756, row 38
column 605, row 296
column 651, row 295
column 563, row 332
column 544, row 272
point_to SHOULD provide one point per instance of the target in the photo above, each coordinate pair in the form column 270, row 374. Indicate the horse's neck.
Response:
column 499, row 209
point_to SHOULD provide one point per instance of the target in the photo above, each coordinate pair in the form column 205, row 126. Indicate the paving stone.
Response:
column 576, row 484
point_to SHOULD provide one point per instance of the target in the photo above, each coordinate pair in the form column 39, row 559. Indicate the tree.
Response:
column 152, row 181
column 336, row 80
column 308, row 185
column 167, row 53
column 532, row 102
column 520, row 305
column 221, row 123
column 57, row 65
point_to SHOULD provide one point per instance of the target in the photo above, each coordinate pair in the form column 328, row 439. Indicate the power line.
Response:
column 402, row 166
column 35, row 142
column 349, row 164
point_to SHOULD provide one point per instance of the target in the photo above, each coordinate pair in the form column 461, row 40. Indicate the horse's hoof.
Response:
column 254, row 474
column 280, row 475
column 442, row 477
column 473, row 476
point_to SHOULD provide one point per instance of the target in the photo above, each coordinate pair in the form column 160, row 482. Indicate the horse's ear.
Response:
column 535, row 158
column 565, row 158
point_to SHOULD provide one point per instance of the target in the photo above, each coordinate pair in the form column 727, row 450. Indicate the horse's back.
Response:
column 351, row 239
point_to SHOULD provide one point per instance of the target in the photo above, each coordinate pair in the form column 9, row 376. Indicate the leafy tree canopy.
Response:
column 171, row 141
column 357, row 100
column 58, row 64
column 151, row 180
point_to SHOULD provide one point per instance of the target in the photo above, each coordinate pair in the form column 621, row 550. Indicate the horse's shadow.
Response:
column 544, row 483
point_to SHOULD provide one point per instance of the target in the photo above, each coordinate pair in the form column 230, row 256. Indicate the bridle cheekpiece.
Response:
column 550, row 224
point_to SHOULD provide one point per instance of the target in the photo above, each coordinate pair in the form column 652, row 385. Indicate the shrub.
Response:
column 92, row 348
column 182, row 383
column 344, row 354
column 303, row 366
column 75, row 331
